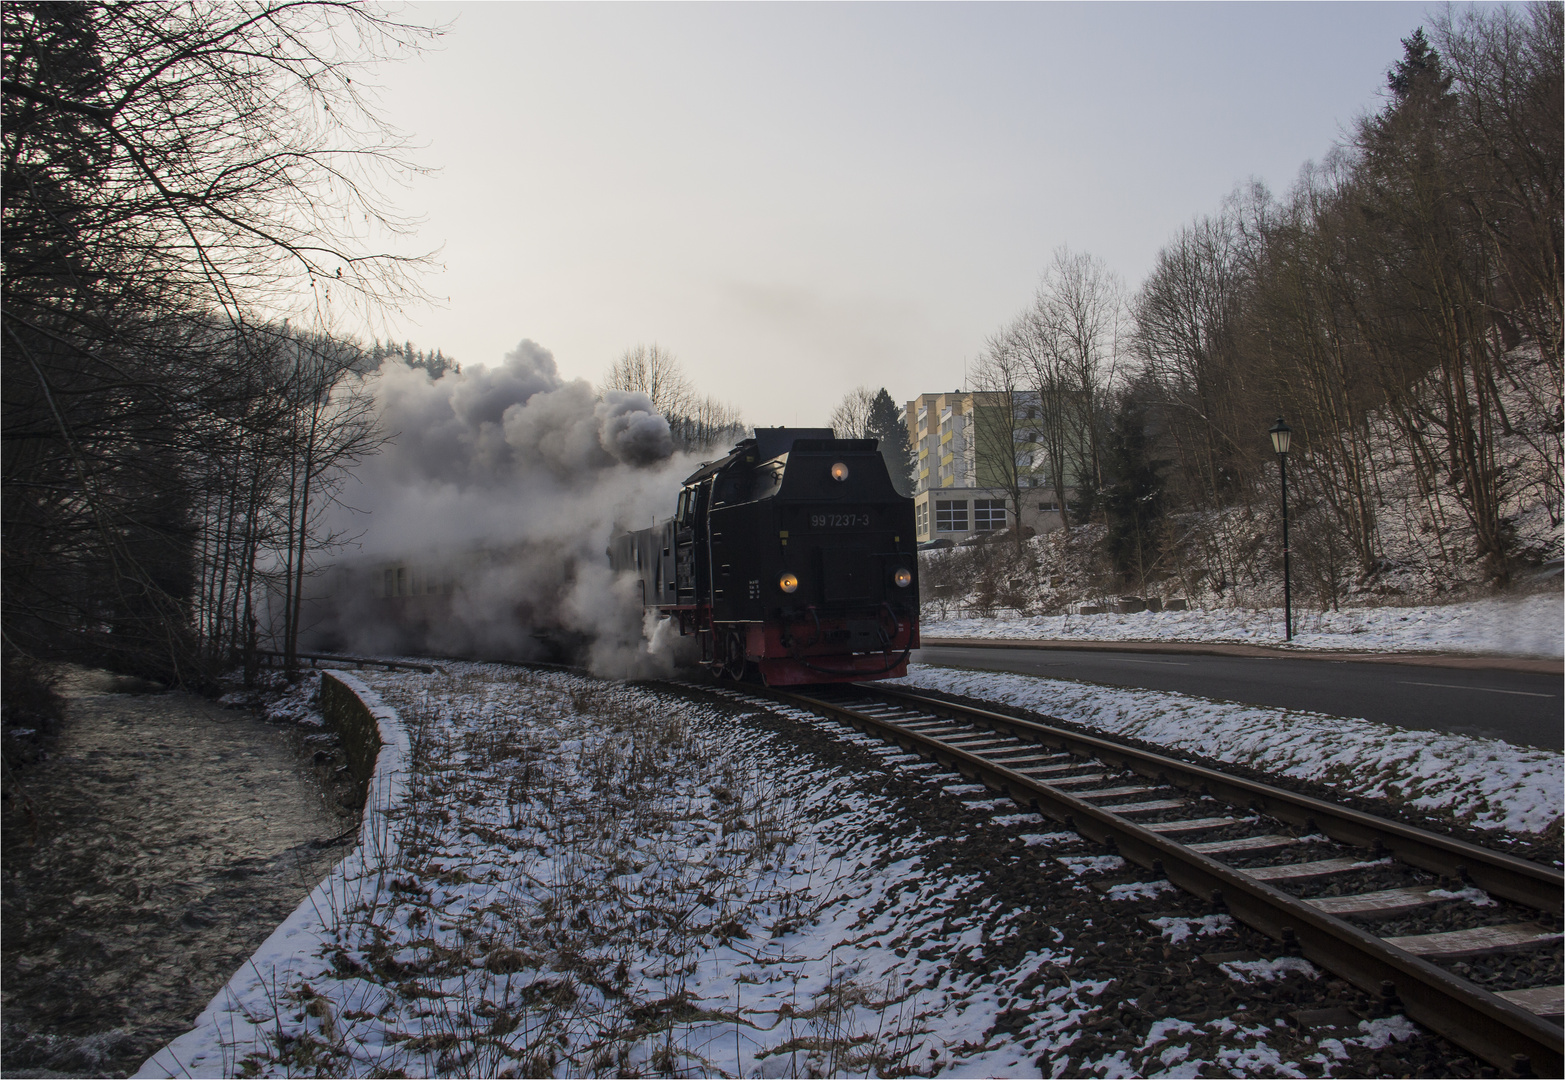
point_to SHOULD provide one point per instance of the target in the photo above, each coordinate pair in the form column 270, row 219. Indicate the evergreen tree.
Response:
column 1419, row 66
column 1132, row 498
column 886, row 423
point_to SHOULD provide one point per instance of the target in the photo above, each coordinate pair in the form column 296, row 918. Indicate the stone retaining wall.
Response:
column 353, row 724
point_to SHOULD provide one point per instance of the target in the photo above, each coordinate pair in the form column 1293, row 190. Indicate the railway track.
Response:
column 1290, row 866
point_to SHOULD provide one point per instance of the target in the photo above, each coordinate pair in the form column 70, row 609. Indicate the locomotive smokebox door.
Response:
column 847, row 575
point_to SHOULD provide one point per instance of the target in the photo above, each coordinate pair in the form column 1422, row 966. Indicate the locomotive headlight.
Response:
column 788, row 582
column 839, row 472
column 903, row 577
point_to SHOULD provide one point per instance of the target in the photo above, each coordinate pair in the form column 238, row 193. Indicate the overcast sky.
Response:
column 799, row 198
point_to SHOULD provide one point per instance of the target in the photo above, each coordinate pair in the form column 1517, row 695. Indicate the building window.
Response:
column 923, row 518
column 951, row 516
column 988, row 515
column 1048, row 507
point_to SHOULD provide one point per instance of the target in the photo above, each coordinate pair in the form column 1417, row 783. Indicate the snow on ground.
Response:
column 1476, row 782
column 559, row 877
column 1525, row 626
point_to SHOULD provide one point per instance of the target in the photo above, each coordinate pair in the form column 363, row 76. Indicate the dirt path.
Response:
column 171, row 837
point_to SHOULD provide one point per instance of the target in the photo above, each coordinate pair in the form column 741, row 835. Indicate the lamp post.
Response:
column 1281, row 434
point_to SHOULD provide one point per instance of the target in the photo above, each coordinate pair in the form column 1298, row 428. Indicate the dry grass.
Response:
column 572, row 870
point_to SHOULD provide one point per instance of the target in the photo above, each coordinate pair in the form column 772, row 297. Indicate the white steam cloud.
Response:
column 498, row 493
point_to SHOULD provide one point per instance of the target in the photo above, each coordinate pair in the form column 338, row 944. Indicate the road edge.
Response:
column 1471, row 661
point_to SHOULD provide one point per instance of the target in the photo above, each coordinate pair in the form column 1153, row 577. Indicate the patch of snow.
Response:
column 1253, row 971
column 1258, row 1060
column 1140, row 890
column 1162, row 1029
column 1177, row 929
column 1053, row 839
column 1384, row 1031
column 1525, row 626
column 1094, row 864
column 1476, row 897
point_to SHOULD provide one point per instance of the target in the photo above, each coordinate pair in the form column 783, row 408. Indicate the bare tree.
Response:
column 178, row 176
column 1187, row 316
column 695, row 421
column 1505, row 66
column 851, row 418
column 709, row 422
column 998, row 426
column 1068, row 344
column 1080, row 307
column 334, row 426
column 653, row 370
column 1035, row 359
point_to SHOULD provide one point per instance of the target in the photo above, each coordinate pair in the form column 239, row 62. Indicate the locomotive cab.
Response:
column 791, row 559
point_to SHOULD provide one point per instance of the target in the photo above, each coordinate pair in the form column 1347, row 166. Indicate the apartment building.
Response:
column 958, row 439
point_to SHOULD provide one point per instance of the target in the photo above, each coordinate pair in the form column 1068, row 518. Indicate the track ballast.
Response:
column 1219, row 837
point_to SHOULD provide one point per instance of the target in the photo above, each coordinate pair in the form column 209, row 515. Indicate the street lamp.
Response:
column 1281, row 435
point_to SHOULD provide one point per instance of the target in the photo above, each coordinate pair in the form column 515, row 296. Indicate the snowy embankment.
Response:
column 559, row 876
column 1475, row 782
column 575, row 878
column 1526, row 626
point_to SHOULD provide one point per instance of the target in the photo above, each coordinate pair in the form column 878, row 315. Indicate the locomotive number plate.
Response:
column 839, row 521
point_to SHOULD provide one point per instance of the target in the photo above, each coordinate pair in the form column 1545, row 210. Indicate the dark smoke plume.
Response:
column 496, row 498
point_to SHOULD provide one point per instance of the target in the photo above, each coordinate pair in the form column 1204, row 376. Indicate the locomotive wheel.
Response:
column 734, row 663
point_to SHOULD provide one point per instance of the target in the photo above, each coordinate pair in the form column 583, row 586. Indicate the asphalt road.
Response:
column 1518, row 707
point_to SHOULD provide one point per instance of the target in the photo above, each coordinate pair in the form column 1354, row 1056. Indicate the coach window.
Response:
column 988, row 515
column 951, row 516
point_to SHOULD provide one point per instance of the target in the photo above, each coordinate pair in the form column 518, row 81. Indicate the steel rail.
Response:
column 1490, row 1027
column 1527, row 883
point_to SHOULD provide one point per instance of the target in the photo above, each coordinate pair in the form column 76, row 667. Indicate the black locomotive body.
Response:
column 791, row 558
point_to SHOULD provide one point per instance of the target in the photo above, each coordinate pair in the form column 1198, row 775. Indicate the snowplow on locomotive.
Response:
column 791, row 559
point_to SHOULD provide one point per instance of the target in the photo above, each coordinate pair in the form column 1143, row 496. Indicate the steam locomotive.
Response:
column 791, row 560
